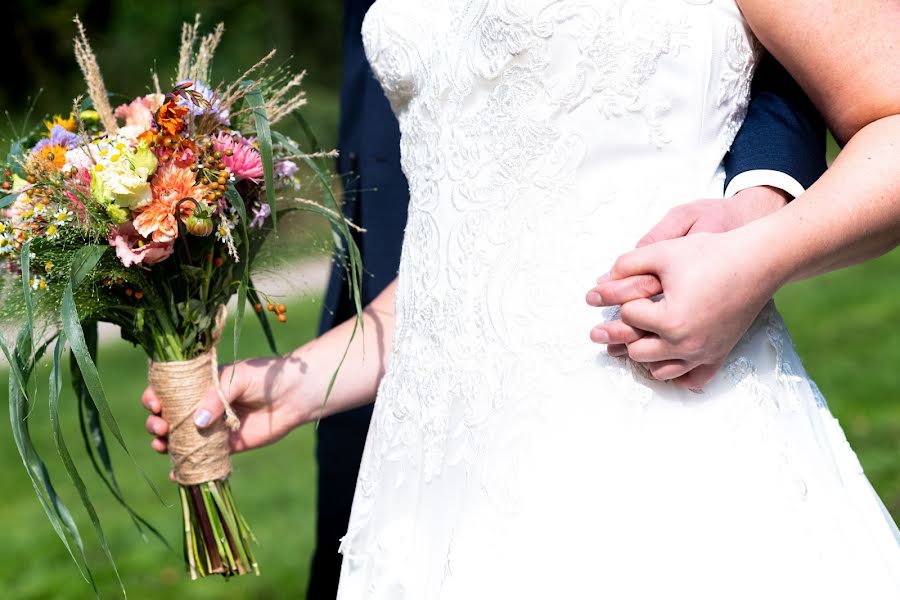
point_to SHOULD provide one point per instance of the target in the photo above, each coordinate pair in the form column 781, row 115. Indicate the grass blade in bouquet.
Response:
column 150, row 216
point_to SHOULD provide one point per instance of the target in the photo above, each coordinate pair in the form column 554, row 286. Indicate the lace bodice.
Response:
column 541, row 139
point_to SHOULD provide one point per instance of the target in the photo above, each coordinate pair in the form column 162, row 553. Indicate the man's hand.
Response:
column 267, row 412
column 701, row 216
column 717, row 216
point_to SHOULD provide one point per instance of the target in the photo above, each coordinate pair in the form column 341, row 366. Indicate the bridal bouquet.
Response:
column 149, row 216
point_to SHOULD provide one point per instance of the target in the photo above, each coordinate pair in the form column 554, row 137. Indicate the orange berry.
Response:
column 271, row 307
column 281, row 309
column 257, row 307
column 282, row 318
column 129, row 291
column 139, row 295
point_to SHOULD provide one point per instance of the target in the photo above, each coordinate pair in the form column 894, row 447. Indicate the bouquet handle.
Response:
column 217, row 539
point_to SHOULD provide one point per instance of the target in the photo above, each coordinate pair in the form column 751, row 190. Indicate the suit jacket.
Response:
column 782, row 132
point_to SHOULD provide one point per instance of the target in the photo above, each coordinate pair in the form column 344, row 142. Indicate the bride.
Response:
column 511, row 457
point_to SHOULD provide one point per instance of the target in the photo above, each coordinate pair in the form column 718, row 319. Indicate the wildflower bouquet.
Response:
column 149, row 216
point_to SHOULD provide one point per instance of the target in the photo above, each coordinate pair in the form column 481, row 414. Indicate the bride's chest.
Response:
column 447, row 47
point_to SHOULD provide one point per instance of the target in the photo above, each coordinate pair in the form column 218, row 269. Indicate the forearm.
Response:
column 850, row 215
column 314, row 363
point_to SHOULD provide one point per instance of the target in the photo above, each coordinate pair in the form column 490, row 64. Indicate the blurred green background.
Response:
column 844, row 324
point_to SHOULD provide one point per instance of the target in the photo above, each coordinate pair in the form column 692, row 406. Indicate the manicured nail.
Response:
column 202, row 418
column 594, row 297
column 601, row 336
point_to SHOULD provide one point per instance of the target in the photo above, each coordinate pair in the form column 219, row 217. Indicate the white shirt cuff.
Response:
column 758, row 177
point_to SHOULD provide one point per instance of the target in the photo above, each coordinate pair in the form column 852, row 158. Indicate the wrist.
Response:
column 761, row 245
column 757, row 202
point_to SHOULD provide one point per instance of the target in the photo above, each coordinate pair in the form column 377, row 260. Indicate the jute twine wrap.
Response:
column 197, row 455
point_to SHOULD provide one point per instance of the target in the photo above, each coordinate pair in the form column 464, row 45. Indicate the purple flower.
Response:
column 285, row 169
column 58, row 137
column 260, row 213
column 215, row 108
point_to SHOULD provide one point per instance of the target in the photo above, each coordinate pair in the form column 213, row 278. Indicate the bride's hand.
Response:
column 714, row 288
column 257, row 394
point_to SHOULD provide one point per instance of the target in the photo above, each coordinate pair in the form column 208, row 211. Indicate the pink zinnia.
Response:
column 133, row 249
column 244, row 162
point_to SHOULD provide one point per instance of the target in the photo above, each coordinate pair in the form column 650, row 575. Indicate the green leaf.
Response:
column 309, row 135
column 8, row 200
column 263, row 319
column 85, row 260
column 353, row 260
column 94, row 438
column 235, row 198
column 66, row 457
column 25, row 259
column 57, row 512
column 264, row 138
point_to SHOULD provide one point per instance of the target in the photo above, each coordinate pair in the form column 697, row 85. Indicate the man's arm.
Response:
column 782, row 141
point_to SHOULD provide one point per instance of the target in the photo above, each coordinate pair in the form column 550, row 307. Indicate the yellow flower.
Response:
column 69, row 123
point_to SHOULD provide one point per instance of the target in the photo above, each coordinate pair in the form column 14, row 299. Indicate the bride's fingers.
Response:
column 615, row 332
column 159, row 444
column 157, row 426
column 617, row 350
column 668, row 369
column 651, row 349
column 620, row 291
column 151, row 401
column 695, row 379
column 644, row 314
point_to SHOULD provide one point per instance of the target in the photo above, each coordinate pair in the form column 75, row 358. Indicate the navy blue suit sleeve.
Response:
column 783, row 131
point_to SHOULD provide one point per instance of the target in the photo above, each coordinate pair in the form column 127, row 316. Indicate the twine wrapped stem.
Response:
column 198, row 456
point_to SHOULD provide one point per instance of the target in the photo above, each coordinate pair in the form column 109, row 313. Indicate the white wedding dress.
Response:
column 509, row 457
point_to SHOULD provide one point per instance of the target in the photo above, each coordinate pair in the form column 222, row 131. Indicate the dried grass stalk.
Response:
column 199, row 71
column 186, row 51
column 94, row 79
column 236, row 91
column 287, row 99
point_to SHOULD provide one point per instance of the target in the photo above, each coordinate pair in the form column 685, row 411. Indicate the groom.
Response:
column 778, row 153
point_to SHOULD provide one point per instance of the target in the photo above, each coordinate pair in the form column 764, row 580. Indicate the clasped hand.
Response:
column 690, row 290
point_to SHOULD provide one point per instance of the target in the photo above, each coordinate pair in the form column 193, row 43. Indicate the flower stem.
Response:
column 216, row 536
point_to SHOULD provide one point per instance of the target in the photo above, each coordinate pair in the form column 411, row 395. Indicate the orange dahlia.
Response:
column 171, row 184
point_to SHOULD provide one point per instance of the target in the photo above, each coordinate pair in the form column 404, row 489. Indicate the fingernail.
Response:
column 603, row 277
column 600, row 336
column 202, row 418
column 594, row 298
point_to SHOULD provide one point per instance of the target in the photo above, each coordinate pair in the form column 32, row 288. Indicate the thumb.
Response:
column 677, row 223
column 210, row 409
